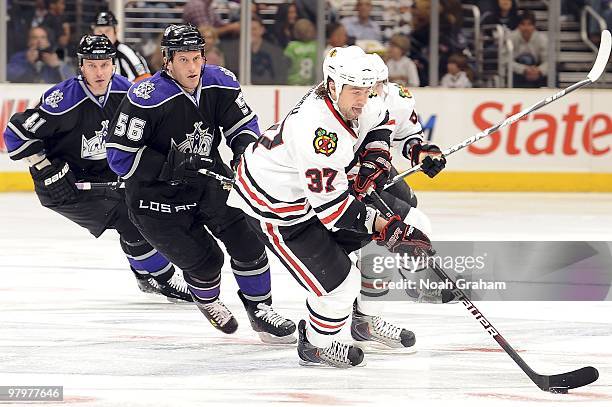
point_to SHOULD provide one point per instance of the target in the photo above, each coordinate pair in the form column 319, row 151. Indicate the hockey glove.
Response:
column 183, row 167
column 429, row 156
column 374, row 170
column 399, row 237
column 56, row 181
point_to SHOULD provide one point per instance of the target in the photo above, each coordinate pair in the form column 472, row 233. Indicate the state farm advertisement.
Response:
column 573, row 134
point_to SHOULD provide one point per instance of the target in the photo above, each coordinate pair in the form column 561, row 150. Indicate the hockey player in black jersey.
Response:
column 166, row 129
column 128, row 62
column 63, row 140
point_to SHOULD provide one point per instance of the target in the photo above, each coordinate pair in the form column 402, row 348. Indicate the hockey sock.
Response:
column 204, row 291
column 253, row 278
column 144, row 259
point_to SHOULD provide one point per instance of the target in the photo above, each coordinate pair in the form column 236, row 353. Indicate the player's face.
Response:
column 352, row 101
column 97, row 74
column 106, row 30
column 186, row 67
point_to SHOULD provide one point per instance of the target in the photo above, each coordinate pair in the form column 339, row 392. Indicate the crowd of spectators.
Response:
column 284, row 47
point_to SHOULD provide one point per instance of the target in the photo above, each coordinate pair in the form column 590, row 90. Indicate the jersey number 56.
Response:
column 134, row 129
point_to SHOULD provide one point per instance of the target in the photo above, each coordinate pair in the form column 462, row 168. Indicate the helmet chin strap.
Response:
column 335, row 101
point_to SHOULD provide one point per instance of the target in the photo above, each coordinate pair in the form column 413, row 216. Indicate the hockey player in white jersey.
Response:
column 293, row 185
column 407, row 139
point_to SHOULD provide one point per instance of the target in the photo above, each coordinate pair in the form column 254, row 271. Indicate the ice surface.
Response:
column 71, row 315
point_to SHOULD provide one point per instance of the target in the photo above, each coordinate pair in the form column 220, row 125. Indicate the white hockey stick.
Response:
column 598, row 68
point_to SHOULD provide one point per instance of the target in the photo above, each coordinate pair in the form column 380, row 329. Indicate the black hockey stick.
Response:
column 559, row 383
column 85, row 186
column 598, row 68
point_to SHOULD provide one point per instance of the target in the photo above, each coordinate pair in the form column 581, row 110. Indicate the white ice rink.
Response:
column 71, row 315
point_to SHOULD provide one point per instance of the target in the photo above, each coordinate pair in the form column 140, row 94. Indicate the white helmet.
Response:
column 348, row 66
column 380, row 68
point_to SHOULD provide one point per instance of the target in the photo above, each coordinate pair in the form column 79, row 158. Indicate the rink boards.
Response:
column 565, row 146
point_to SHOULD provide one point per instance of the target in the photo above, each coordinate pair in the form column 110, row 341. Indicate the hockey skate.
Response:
column 218, row 315
column 336, row 355
column 271, row 327
column 174, row 288
column 426, row 295
column 374, row 333
column 146, row 284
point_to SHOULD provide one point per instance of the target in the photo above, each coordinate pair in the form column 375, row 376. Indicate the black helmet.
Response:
column 95, row 47
column 104, row 18
column 181, row 37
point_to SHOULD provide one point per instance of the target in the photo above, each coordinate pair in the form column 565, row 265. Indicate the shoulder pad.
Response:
column 218, row 76
column 62, row 97
column 153, row 91
column 120, row 83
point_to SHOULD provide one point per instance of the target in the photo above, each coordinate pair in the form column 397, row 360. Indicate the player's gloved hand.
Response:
column 55, row 180
column 374, row 170
column 183, row 167
column 429, row 156
column 398, row 237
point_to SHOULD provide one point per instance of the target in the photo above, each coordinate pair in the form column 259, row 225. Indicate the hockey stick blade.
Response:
column 560, row 383
column 603, row 55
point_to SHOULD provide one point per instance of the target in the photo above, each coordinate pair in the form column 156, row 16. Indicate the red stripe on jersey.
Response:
column 329, row 104
column 337, row 212
column 321, row 324
column 291, row 261
column 291, row 208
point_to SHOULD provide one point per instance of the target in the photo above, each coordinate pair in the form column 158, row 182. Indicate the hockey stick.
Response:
column 559, row 383
column 598, row 68
column 85, row 186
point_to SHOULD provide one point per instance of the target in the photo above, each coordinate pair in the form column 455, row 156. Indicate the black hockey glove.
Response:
column 55, row 180
column 374, row 170
column 183, row 167
column 429, row 156
column 398, row 237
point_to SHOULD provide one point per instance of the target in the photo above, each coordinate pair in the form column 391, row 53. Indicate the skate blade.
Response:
column 176, row 300
column 270, row 339
column 306, row 363
column 377, row 347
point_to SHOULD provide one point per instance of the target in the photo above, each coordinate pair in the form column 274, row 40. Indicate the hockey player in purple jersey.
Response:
column 63, row 140
column 168, row 128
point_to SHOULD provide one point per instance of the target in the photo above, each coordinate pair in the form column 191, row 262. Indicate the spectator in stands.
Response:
column 268, row 64
column 39, row 63
column 57, row 25
column 214, row 56
column 361, row 26
column 155, row 60
column 505, row 12
column 402, row 69
column 456, row 75
column 336, row 36
column 531, row 53
column 302, row 52
column 399, row 14
column 282, row 30
column 200, row 12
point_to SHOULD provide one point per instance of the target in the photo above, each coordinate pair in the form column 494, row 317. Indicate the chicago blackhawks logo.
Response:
column 54, row 98
column 199, row 142
column 95, row 147
column 324, row 142
column 144, row 90
column 404, row 92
